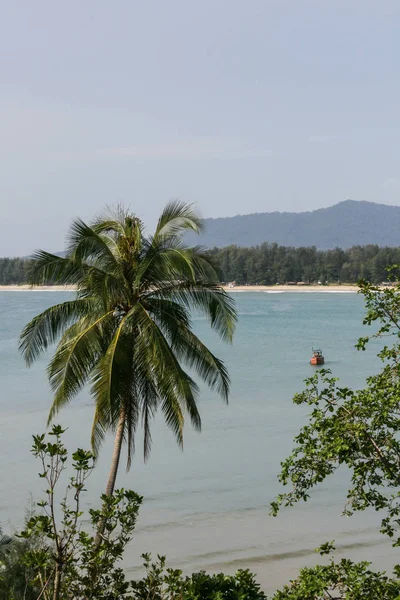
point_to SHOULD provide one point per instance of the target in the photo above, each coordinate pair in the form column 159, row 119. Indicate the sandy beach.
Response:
column 39, row 288
column 238, row 288
column 292, row 288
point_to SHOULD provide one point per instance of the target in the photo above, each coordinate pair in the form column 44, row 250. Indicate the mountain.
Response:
column 349, row 223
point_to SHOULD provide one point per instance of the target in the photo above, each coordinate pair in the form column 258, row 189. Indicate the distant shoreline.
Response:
column 292, row 288
column 238, row 288
column 37, row 288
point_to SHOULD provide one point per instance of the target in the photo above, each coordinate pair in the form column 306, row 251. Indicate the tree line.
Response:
column 269, row 264
column 13, row 271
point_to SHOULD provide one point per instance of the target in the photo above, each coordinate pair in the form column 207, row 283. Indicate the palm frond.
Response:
column 188, row 347
column 119, row 372
column 85, row 244
column 112, row 376
column 100, row 426
column 168, row 260
column 76, row 355
column 132, row 404
column 109, row 289
column 204, row 265
column 176, row 388
column 148, row 405
column 208, row 298
column 44, row 329
column 176, row 218
column 45, row 267
column 111, row 221
column 159, row 306
column 170, row 264
column 114, row 386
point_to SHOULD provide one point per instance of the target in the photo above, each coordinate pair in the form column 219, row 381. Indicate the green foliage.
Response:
column 241, row 586
column 61, row 556
column 13, row 271
column 15, row 575
column 56, row 556
column 340, row 581
column 268, row 264
column 161, row 583
column 359, row 429
column 16, row 578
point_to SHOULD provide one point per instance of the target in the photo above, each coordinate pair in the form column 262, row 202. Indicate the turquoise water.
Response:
column 207, row 507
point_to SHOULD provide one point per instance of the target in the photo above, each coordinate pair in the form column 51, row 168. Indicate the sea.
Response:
column 207, row 507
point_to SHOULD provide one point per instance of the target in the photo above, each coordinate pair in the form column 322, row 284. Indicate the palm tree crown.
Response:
column 128, row 332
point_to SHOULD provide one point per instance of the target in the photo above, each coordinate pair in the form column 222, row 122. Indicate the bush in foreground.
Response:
column 56, row 558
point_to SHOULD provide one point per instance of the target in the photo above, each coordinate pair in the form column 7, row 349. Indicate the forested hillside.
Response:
column 270, row 263
column 349, row 223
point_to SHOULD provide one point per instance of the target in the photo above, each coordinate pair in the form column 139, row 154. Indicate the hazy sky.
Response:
column 239, row 106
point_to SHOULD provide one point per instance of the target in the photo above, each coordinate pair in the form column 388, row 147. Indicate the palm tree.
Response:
column 128, row 333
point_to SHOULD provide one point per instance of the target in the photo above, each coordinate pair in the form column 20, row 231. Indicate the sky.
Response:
column 237, row 106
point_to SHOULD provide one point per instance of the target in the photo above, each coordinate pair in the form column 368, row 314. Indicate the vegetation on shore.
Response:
column 57, row 556
column 269, row 264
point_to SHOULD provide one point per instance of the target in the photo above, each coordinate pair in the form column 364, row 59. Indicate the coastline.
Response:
column 238, row 288
column 38, row 288
column 277, row 289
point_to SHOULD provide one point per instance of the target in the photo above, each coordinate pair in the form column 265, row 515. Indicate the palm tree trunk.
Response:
column 119, row 436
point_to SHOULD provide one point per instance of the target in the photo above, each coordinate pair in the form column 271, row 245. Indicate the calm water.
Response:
column 207, row 507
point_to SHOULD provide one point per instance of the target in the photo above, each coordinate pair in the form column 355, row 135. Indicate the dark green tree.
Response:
column 359, row 429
